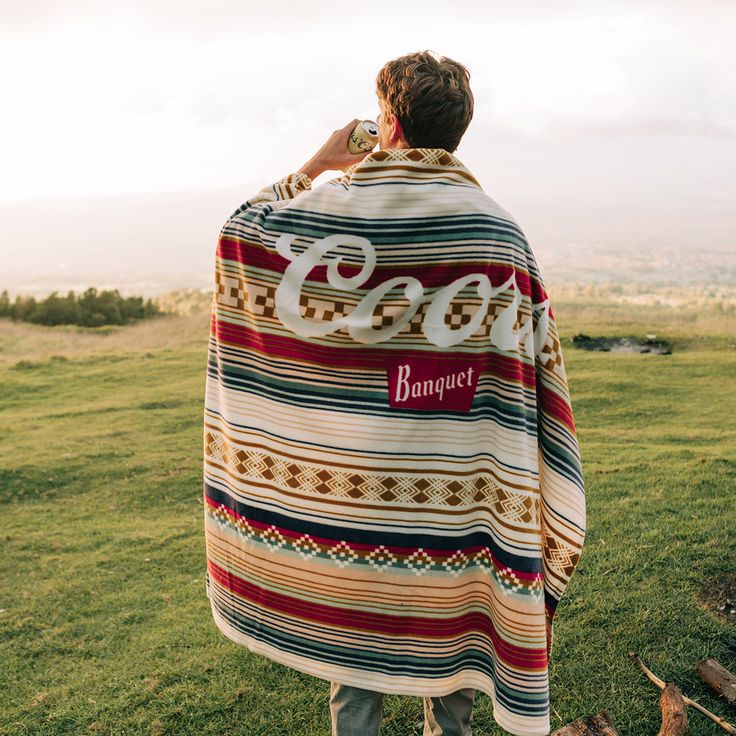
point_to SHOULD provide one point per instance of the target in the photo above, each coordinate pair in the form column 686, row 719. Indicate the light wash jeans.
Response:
column 357, row 712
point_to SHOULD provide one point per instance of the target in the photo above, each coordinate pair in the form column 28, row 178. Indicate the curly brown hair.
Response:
column 431, row 97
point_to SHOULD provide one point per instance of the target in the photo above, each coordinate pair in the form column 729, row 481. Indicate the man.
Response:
column 394, row 499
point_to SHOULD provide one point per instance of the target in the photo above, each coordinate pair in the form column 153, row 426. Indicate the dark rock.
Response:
column 622, row 344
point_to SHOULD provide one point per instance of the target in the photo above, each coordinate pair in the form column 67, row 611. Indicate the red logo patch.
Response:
column 416, row 383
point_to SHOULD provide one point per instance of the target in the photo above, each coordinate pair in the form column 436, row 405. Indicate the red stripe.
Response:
column 553, row 404
column 360, row 357
column 432, row 276
column 380, row 623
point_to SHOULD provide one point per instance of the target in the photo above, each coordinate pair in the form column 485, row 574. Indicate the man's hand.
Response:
column 334, row 154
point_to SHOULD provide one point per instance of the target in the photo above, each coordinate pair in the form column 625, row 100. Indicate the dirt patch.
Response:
column 648, row 344
column 718, row 595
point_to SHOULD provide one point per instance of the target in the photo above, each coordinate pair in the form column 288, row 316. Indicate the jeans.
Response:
column 357, row 712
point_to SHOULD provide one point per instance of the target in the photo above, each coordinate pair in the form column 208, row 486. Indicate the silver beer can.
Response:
column 363, row 137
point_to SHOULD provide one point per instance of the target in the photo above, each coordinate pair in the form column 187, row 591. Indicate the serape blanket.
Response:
column 393, row 489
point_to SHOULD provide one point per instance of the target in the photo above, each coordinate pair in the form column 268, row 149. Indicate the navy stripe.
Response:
column 409, row 538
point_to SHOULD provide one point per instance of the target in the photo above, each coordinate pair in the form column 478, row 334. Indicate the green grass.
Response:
column 106, row 628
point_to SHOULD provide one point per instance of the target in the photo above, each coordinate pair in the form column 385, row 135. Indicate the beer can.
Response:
column 363, row 137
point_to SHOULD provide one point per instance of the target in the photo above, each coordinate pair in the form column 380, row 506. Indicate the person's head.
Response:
column 425, row 102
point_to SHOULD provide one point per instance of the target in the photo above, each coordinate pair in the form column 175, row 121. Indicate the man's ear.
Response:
column 398, row 133
column 399, row 128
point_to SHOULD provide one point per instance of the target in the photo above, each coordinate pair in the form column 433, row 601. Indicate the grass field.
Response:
column 104, row 623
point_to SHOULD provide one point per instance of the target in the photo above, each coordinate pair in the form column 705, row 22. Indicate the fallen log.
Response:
column 597, row 725
column 674, row 718
column 712, row 672
column 724, row 724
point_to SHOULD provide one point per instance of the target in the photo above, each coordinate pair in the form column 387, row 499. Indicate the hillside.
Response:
column 104, row 623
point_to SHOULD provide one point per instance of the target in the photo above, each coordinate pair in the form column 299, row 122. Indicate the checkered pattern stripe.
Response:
column 550, row 356
column 394, row 488
column 260, row 300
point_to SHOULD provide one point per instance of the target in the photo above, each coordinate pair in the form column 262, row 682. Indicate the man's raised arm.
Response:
column 333, row 155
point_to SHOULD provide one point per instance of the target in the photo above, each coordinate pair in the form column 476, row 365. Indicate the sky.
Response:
column 129, row 132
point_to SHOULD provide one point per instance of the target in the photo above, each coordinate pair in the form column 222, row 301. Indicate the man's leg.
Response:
column 449, row 715
column 354, row 711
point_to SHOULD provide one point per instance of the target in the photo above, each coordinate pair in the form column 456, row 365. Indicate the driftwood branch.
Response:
column 597, row 725
column 713, row 673
column 725, row 725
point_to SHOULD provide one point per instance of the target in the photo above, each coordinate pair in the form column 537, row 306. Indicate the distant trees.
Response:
column 89, row 309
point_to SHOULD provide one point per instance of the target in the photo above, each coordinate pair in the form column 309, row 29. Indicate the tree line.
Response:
column 88, row 309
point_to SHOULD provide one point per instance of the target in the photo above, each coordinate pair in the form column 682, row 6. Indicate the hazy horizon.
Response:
column 131, row 132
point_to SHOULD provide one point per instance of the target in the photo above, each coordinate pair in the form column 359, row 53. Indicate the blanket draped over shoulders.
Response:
column 393, row 491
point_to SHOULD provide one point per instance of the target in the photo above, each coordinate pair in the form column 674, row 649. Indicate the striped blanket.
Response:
column 392, row 482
